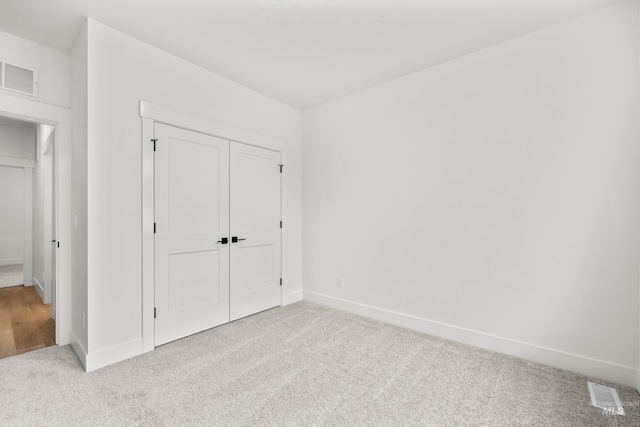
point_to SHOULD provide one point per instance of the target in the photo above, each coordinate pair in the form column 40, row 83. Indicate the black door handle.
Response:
column 224, row 241
column 235, row 239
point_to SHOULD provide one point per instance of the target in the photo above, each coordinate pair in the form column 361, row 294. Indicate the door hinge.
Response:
column 155, row 312
column 154, row 228
column 281, row 281
column 281, row 168
column 280, row 224
column 154, row 140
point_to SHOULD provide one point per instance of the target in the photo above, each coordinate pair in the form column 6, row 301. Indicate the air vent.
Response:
column 18, row 78
column 605, row 398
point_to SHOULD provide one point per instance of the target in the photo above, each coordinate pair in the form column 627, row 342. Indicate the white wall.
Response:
column 17, row 139
column 496, row 193
column 79, row 135
column 638, row 371
column 122, row 71
column 53, row 67
column 11, row 215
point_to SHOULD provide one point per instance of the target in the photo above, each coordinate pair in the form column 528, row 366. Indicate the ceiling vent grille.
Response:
column 18, row 78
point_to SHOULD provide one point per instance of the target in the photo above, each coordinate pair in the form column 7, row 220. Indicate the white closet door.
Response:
column 192, row 217
column 255, row 222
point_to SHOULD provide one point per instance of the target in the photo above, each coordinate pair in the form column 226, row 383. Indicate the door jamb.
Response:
column 27, row 267
column 48, row 230
column 151, row 114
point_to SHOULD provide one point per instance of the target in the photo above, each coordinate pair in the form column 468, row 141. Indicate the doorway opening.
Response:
column 28, row 224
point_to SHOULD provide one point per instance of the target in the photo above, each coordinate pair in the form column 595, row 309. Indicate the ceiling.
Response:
column 300, row 52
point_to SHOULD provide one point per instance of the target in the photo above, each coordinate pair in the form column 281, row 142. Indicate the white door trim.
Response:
column 188, row 121
column 150, row 114
column 27, row 267
column 59, row 117
column 17, row 163
column 48, row 236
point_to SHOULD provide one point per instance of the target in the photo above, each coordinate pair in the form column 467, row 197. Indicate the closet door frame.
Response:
column 151, row 114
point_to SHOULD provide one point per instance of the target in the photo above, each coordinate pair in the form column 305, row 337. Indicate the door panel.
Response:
column 255, row 217
column 191, row 276
column 194, row 167
column 192, row 216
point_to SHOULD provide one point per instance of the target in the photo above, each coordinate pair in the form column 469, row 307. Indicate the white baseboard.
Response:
column 39, row 288
column 111, row 355
column 78, row 349
column 11, row 261
column 559, row 359
column 291, row 297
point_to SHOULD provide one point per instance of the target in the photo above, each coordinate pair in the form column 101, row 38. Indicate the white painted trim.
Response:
column 48, row 236
column 47, row 148
column 34, row 111
column 77, row 347
column 115, row 354
column 11, row 261
column 63, row 232
column 292, row 297
column 571, row 362
column 284, row 231
column 148, row 248
column 27, row 266
column 17, row 163
column 49, row 145
column 38, row 288
column 188, row 121
column 150, row 114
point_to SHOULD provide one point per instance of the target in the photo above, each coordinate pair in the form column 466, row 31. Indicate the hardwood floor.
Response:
column 25, row 322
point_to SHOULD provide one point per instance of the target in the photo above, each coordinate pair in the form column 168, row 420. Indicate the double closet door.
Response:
column 217, row 231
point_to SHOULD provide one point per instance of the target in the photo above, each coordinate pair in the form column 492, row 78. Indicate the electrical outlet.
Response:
column 340, row 282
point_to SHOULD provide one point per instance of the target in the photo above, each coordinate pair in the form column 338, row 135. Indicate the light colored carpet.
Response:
column 301, row 365
column 11, row 275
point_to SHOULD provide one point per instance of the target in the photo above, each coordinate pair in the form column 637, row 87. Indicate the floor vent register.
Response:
column 605, row 398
